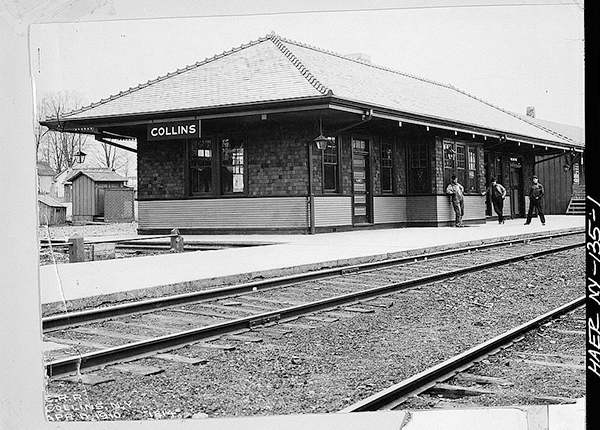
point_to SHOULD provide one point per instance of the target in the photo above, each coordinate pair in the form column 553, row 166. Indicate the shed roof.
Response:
column 98, row 175
column 277, row 69
column 49, row 201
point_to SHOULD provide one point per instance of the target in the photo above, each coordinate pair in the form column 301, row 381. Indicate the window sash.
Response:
column 200, row 167
column 331, row 168
column 464, row 163
column 387, row 167
column 232, row 166
column 418, row 175
column 216, row 166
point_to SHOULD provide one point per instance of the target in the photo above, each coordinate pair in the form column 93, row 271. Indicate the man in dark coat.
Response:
column 496, row 193
column 536, row 192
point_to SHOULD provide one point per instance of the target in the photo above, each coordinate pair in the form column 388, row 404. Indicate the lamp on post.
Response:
column 570, row 160
column 321, row 143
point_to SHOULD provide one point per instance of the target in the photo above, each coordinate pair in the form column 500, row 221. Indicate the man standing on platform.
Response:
column 458, row 201
column 536, row 192
column 496, row 193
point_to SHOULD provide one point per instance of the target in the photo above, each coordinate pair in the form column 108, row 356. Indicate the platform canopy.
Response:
column 274, row 75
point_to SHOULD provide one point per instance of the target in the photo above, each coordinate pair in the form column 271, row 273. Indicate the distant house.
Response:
column 90, row 189
column 62, row 186
column 45, row 175
column 51, row 211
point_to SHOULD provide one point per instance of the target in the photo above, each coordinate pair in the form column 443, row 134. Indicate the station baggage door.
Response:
column 361, row 181
column 517, row 200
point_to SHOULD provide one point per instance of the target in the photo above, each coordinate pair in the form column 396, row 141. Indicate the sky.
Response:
column 513, row 54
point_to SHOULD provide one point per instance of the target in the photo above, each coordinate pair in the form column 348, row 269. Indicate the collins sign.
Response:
column 174, row 130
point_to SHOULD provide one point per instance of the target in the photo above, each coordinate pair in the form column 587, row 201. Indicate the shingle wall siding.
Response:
column 161, row 169
column 278, row 160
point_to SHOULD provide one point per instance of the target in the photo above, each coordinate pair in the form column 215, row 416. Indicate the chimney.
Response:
column 531, row 111
column 365, row 58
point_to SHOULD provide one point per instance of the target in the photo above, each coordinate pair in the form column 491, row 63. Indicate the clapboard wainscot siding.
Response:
column 474, row 209
column 421, row 210
column 390, row 209
column 223, row 215
column 333, row 211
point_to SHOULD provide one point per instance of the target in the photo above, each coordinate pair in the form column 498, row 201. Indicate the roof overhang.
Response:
column 494, row 136
column 113, row 127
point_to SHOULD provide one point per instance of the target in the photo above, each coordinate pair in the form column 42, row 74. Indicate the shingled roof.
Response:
column 98, row 175
column 275, row 69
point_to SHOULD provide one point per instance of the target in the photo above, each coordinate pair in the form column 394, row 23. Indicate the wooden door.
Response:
column 361, row 181
column 100, row 190
column 517, row 200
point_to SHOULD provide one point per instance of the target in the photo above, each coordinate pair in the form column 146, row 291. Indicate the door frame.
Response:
column 368, row 217
column 516, row 164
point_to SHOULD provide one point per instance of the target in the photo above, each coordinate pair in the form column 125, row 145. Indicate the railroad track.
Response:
column 127, row 332
column 446, row 379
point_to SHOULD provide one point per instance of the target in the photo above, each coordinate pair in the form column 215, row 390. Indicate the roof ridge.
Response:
column 360, row 61
column 515, row 115
column 167, row 76
column 279, row 43
column 431, row 81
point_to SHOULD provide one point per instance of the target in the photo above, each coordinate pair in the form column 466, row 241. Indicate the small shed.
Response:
column 45, row 178
column 89, row 192
column 51, row 211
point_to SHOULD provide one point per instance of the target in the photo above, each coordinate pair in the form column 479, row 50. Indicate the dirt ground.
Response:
column 59, row 254
column 64, row 232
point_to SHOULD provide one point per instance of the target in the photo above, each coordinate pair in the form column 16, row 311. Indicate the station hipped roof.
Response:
column 274, row 71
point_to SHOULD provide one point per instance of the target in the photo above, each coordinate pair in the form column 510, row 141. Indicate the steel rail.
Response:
column 148, row 347
column 70, row 319
column 398, row 393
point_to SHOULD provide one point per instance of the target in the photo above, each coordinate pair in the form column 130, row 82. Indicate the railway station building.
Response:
column 278, row 136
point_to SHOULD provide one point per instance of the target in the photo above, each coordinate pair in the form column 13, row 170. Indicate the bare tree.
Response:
column 107, row 155
column 112, row 157
column 57, row 148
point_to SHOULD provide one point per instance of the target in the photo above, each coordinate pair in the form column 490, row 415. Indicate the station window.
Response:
column 418, row 179
column 498, row 169
column 461, row 160
column 449, row 153
column 330, row 167
column 471, row 186
column 460, row 164
column 387, row 171
column 216, row 169
column 201, row 166
column 232, row 166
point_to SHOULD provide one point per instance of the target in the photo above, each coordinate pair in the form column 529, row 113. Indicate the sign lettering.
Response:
column 174, row 130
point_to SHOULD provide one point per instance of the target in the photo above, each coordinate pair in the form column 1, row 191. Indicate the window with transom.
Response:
column 331, row 167
column 387, row 167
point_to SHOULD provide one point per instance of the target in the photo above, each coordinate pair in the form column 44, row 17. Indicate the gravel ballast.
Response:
column 330, row 367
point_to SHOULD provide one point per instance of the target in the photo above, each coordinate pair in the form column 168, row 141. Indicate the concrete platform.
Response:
column 82, row 284
column 76, row 285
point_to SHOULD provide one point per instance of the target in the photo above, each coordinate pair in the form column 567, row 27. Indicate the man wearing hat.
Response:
column 496, row 194
column 536, row 192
